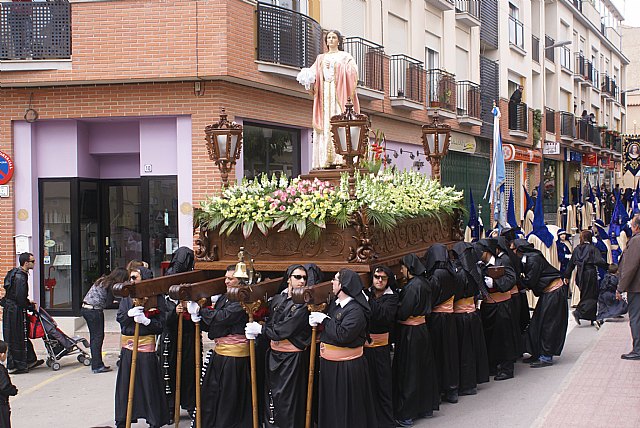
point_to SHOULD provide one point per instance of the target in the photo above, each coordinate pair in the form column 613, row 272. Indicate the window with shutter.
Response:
column 353, row 18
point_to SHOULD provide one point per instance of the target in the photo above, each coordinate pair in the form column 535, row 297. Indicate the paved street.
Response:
column 589, row 386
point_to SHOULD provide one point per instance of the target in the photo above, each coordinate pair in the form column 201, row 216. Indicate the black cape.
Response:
column 586, row 258
column 15, row 324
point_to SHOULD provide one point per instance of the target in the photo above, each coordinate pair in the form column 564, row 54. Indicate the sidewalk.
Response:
column 602, row 390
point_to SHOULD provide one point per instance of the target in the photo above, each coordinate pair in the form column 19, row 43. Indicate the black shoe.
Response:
column 538, row 364
column 18, row 371
column 451, row 397
column 530, row 360
column 103, row 369
column 576, row 317
column 36, row 363
column 424, row 415
column 469, row 391
column 630, row 356
column 503, row 376
column 404, row 422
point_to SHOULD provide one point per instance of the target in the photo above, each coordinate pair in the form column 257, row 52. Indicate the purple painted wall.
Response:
column 88, row 165
column 114, row 136
column 123, row 165
column 56, row 147
column 158, row 146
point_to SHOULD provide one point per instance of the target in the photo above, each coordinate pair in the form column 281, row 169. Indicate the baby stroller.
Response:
column 42, row 325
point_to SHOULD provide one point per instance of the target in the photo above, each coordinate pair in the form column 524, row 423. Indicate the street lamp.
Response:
column 435, row 142
column 224, row 143
column 559, row 44
column 350, row 131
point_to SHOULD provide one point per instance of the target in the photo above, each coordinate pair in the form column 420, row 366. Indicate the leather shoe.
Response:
column 503, row 376
column 102, row 369
column 469, row 391
column 404, row 422
column 18, row 371
column 538, row 364
column 36, row 363
column 630, row 356
column 576, row 317
column 451, row 397
column 530, row 360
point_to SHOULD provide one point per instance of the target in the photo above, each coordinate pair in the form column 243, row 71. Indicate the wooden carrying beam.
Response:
column 322, row 292
column 161, row 285
column 261, row 291
column 198, row 290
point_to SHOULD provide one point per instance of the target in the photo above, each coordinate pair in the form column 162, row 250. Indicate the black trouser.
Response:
column 95, row 322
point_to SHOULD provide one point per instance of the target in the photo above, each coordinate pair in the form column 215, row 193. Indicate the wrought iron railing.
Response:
column 592, row 73
column 518, row 117
column 535, row 48
column 36, row 30
column 472, row 7
column 550, row 120
column 370, row 59
column 578, row 4
column 581, row 66
column 468, row 99
column 406, row 77
column 567, row 125
column 609, row 86
column 441, row 89
column 549, row 52
column 287, row 37
column 588, row 132
column 516, row 32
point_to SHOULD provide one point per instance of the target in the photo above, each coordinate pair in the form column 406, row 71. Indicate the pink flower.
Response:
column 283, row 198
column 273, row 205
column 298, row 200
column 282, row 208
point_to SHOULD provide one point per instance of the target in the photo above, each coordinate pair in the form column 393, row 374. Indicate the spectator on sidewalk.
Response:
column 7, row 389
column 610, row 302
column 629, row 275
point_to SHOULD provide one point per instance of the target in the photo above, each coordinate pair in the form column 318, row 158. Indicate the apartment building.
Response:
column 631, row 47
column 105, row 104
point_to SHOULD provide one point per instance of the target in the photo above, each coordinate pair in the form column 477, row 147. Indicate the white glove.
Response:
column 136, row 310
column 193, row 308
column 567, row 256
column 142, row 319
column 195, row 317
column 488, row 281
column 215, row 298
column 524, row 259
column 252, row 330
column 316, row 318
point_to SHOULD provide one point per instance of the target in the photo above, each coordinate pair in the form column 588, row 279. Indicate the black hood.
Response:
column 391, row 282
column 413, row 264
column 523, row 246
column 488, row 244
column 285, row 279
column 435, row 256
column 510, row 233
column 465, row 253
column 351, row 285
column 182, row 261
column 145, row 273
column 314, row 274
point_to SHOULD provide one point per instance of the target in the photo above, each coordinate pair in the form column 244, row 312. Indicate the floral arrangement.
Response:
column 306, row 206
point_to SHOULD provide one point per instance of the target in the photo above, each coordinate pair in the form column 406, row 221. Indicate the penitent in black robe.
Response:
column 14, row 323
column 168, row 357
column 497, row 320
column 344, row 396
column 586, row 258
column 415, row 380
column 226, row 383
column 548, row 327
column 286, row 372
column 474, row 364
column 383, row 317
column 149, row 401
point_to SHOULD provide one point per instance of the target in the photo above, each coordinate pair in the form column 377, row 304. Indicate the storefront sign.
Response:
column 571, row 156
column 513, row 153
column 6, row 168
column 590, row 159
column 551, row 148
column 462, row 143
column 605, row 162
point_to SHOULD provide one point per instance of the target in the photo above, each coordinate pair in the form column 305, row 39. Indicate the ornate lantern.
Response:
column 224, row 143
column 435, row 142
column 350, row 132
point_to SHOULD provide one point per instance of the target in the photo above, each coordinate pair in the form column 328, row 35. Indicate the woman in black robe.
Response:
column 287, row 329
column 610, row 303
column 415, row 381
column 441, row 322
column 345, row 399
column 149, row 401
column 496, row 310
column 586, row 258
column 548, row 327
column 472, row 348
column 384, row 304
column 182, row 261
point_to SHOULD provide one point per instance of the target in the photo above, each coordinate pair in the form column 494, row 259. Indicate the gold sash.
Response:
column 555, row 284
column 284, row 346
column 145, row 343
column 234, row 345
column 418, row 320
column 338, row 353
column 377, row 339
column 445, row 307
column 465, row 305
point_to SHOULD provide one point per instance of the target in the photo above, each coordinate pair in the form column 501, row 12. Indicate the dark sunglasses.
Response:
column 380, row 277
column 31, row 261
column 134, row 277
column 299, row 277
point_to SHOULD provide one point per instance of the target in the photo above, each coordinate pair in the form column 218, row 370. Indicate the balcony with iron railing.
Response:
column 567, row 126
column 549, row 52
column 406, row 82
column 369, row 57
column 35, row 31
column 468, row 103
column 442, row 4
column 593, row 75
column 550, row 120
column 588, row 132
column 580, row 72
column 578, row 4
column 518, row 118
column 286, row 37
column 468, row 12
column 441, row 90
column 535, row 49
column 516, row 33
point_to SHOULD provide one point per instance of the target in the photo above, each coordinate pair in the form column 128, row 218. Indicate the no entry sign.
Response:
column 6, row 168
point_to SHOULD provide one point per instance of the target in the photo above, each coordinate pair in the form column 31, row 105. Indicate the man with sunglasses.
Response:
column 289, row 333
column 21, row 356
